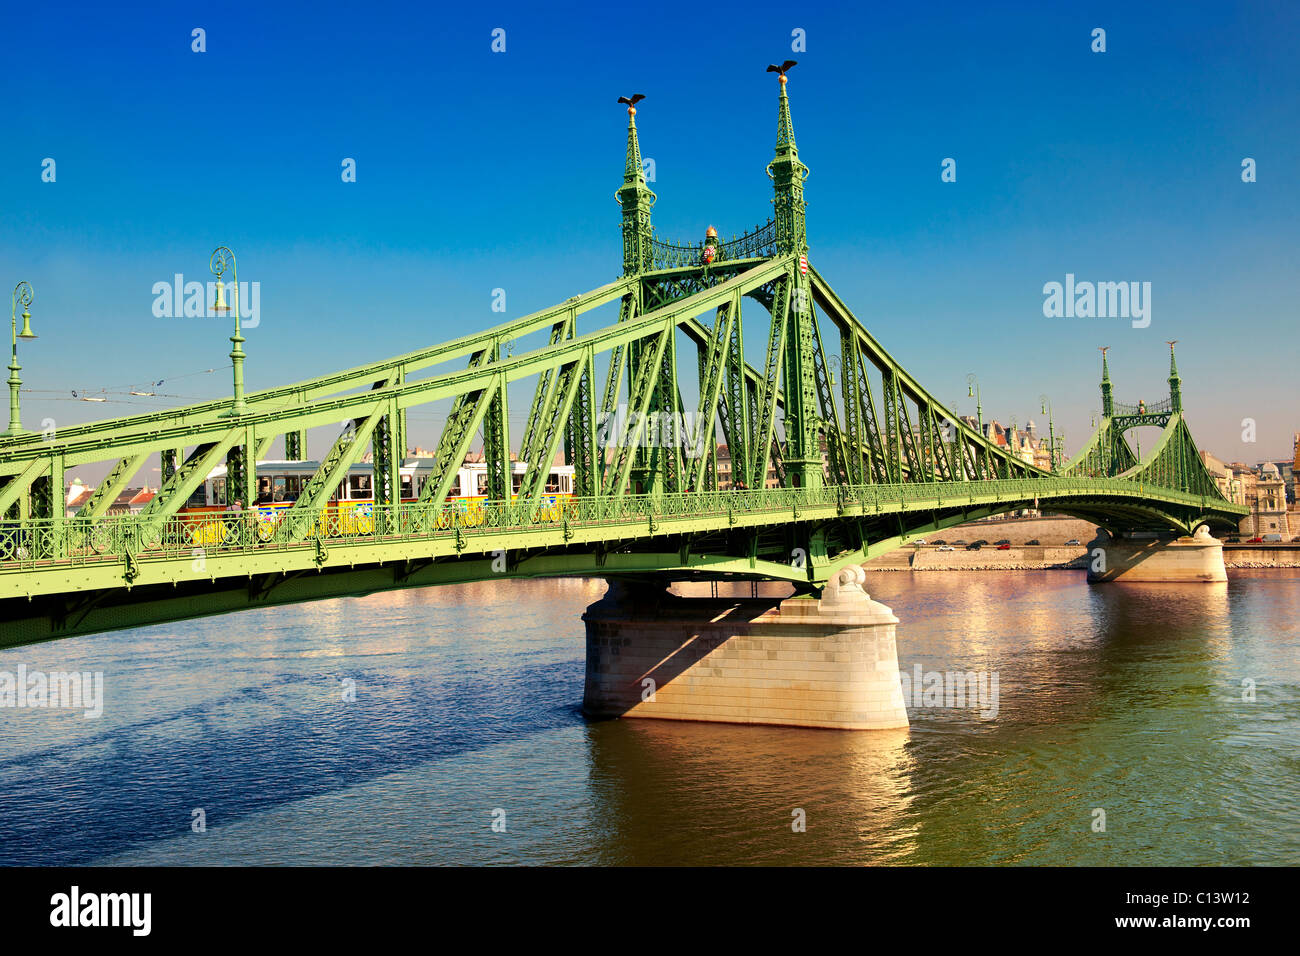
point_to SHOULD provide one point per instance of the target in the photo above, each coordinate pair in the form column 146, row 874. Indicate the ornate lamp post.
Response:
column 1046, row 405
column 973, row 391
column 223, row 259
column 22, row 295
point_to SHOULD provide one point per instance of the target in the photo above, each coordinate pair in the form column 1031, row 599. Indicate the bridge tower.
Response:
column 1107, row 396
column 636, row 199
column 803, row 459
column 1175, row 383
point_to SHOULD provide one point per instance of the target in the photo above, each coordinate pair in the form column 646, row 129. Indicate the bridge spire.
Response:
column 1107, row 399
column 1175, row 383
column 787, row 174
column 803, row 458
column 636, row 199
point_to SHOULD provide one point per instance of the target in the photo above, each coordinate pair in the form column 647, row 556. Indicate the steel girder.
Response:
column 891, row 468
column 741, row 534
column 901, row 447
column 333, row 384
column 712, row 364
column 914, row 467
column 765, row 425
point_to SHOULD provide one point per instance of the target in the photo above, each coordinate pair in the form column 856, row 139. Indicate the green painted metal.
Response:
column 22, row 295
column 636, row 199
column 896, row 462
column 127, row 552
column 114, row 483
column 712, row 366
column 551, row 431
column 580, row 432
column 223, row 259
column 496, row 437
column 766, row 422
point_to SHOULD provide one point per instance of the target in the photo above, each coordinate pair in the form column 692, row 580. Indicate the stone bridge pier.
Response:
column 1198, row 558
column 802, row 661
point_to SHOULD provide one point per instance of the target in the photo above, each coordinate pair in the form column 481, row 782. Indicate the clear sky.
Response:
column 479, row 170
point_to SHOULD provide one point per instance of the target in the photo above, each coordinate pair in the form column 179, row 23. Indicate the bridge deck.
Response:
column 62, row 557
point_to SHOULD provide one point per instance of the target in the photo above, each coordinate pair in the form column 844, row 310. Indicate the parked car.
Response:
column 940, row 541
column 920, row 541
column 981, row 541
column 1072, row 541
column 960, row 544
column 974, row 546
column 946, row 547
column 1256, row 540
column 1004, row 541
column 1272, row 538
column 1032, row 541
column 1236, row 540
column 1004, row 547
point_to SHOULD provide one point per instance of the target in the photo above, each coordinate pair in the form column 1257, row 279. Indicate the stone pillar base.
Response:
column 1195, row 559
column 799, row 662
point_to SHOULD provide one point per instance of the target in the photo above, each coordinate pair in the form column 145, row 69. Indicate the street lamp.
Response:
column 223, row 259
column 1046, row 406
column 22, row 295
column 973, row 391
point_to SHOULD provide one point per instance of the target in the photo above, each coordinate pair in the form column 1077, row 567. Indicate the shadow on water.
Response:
column 69, row 805
column 241, row 714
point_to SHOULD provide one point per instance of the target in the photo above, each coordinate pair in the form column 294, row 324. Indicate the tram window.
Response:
column 482, row 483
column 292, row 487
column 517, row 483
column 218, row 491
column 406, row 487
column 566, row 484
column 277, row 488
column 263, row 489
column 199, row 498
column 455, row 487
column 552, row 483
column 424, row 480
column 359, row 486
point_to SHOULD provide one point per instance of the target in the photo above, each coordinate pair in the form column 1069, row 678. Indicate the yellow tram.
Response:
column 208, row 516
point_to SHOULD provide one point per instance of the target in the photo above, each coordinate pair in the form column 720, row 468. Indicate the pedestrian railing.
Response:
column 39, row 543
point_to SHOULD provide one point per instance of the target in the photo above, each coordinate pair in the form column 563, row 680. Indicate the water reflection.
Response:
column 675, row 792
column 1175, row 709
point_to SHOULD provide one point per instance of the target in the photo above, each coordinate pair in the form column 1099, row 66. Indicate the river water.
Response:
column 400, row 727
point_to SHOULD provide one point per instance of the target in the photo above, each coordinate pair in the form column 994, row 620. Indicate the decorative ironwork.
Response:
column 895, row 461
column 44, row 543
column 1162, row 407
column 758, row 244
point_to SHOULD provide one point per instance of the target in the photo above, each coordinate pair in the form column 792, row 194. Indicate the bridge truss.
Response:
column 832, row 459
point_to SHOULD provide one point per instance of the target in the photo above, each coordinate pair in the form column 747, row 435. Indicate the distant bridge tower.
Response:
column 1107, row 397
column 1175, row 383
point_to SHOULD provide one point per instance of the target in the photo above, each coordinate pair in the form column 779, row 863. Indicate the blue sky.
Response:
column 479, row 170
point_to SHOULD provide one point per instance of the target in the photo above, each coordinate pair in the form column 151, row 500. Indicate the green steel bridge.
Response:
column 860, row 469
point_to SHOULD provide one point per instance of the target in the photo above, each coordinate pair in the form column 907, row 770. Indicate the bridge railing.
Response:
column 758, row 244
column 1162, row 407
column 43, row 543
